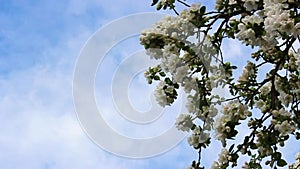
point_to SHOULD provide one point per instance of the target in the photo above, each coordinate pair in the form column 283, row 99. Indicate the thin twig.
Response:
column 185, row 4
column 175, row 11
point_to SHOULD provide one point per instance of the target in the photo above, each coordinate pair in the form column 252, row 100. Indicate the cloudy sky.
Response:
column 40, row 42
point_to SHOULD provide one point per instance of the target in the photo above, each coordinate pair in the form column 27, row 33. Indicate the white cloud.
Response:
column 39, row 126
column 232, row 48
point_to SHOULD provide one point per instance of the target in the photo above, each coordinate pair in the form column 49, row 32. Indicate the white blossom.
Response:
column 181, row 73
column 250, row 4
column 223, row 156
column 284, row 128
column 248, row 71
column 246, row 166
column 189, row 84
column 215, row 165
column 184, row 122
column 197, row 138
column 164, row 2
column 296, row 56
column 160, row 95
column 233, row 112
column 262, row 105
column 281, row 112
column 191, row 105
column 232, row 2
column 213, row 111
column 266, row 89
column 247, row 35
column 278, row 20
column 268, row 26
column 286, row 99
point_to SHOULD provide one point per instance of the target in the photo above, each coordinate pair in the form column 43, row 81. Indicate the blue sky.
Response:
column 40, row 42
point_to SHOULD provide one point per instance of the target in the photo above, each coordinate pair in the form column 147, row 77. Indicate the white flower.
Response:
column 220, row 129
column 196, row 139
column 232, row 2
column 297, row 59
column 281, row 112
column 184, row 122
column 233, row 112
column 297, row 157
column 247, row 35
column 248, row 71
column 160, row 94
column 181, row 73
column 246, row 166
column 170, row 59
column 164, row 2
column 195, row 7
column 189, row 84
column 219, row 4
column 174, row 35
column 266, row 89
column 261, row 105
column 212, row 111
column 250, row 4
column 215, row 165
column 223, row 157
column 278, row 20
column 284, row 128
column 154, row 53
column 286, row 99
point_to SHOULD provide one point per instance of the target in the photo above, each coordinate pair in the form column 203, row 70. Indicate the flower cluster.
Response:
column 178, row 28
column 248, row 72
column 285, row 128
column 225, row 124
column 188, row 47
column 223, row 159
column 271, row 23
column 184, row 122
column 198, row 137
column 278, row 20
column 247, row 28
column 163, row 93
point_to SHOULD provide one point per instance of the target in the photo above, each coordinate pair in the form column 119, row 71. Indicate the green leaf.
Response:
column 163, row 74
column 168, row 81
column 281, row 163
column 193, row 127
column 154, row 2
column 255, row 165
column 159, row 6
column 297, row 135
column 253, row 146
column 202, row 9
column 297, row 19
column 176, row 86
column 277, row 155
column 156, row 78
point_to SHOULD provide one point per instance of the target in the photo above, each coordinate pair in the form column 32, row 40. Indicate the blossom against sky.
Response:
column 40, row 42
